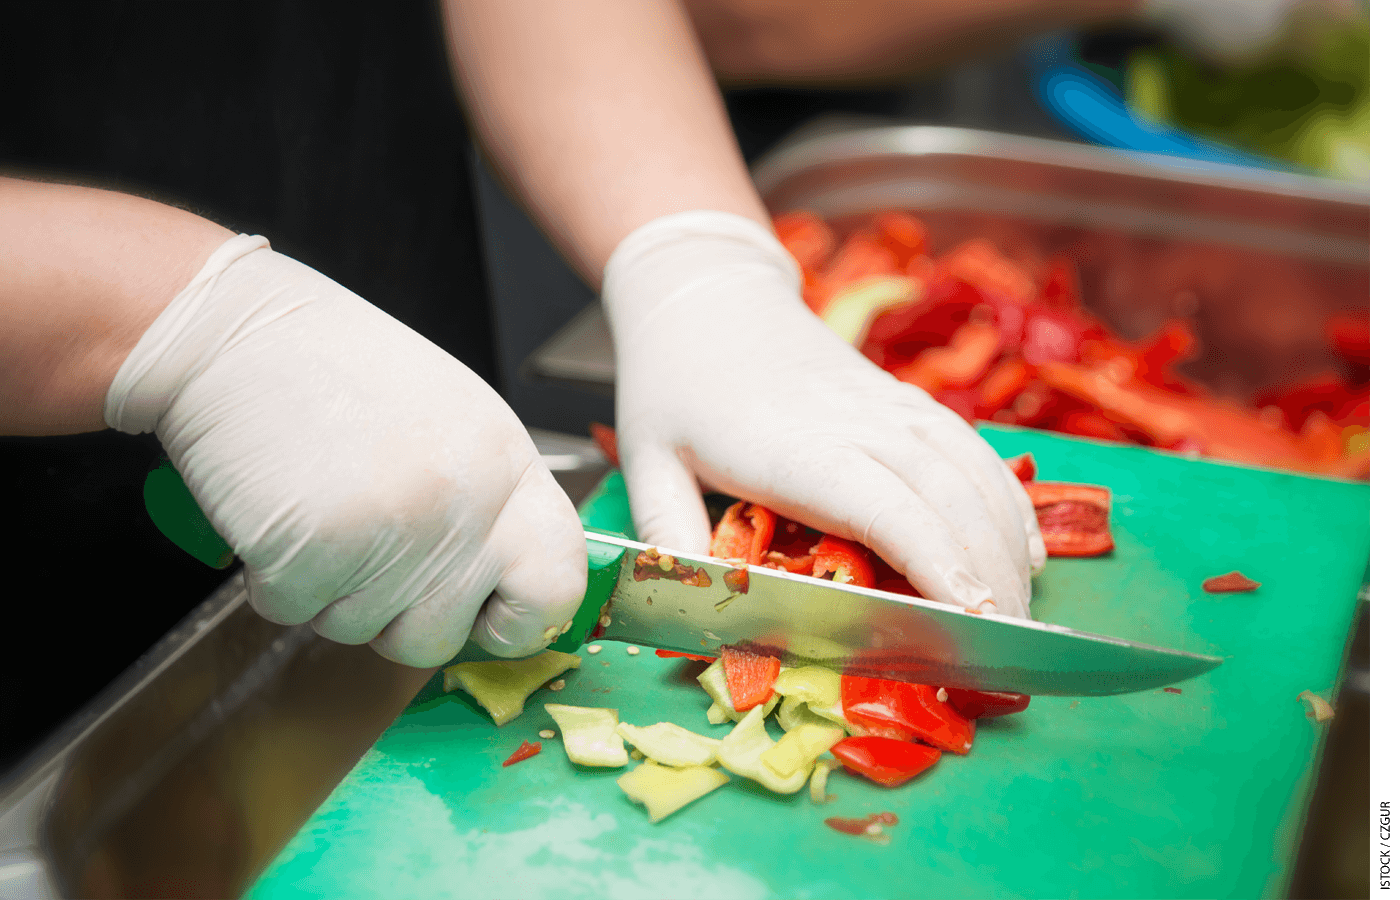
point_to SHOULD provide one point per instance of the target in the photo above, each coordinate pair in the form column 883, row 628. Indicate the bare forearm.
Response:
column 845, row 42
column 84, row 273
column 603, row 115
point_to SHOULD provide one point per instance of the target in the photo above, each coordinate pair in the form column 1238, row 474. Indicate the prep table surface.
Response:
column 1201, row 793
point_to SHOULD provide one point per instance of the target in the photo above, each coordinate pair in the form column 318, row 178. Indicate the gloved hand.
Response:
column 723, row 374
column 1235, row 31
column 371, row 483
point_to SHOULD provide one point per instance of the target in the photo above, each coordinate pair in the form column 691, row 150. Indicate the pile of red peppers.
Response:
column 904, row 728
column 1014, row 343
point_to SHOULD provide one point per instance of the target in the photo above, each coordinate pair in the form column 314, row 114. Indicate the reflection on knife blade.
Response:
column 690, row 605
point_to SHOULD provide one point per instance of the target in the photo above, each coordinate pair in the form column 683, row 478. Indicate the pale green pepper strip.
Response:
column 852, row 310
column 502, row 686
column 742, row 749
column 792, row 713
column 670, row 744
column 590, row 734
column 663, row 790
column 800, row 747
column 810, row 684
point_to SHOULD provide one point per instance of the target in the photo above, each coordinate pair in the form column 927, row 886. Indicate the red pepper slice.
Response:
column 1023, row 466
column 674, row 654
column 1001, row 385
column 873, row 703
column 1326, row 392
column 1088, row 423
column 1229, row 583
column 885, row 761
column 1073, row 517
column 970, row 352
column 1061, row 289
column 980, row 264
column 606, row 439
column 861, row 826
column 750, row 677
column 744, row 532
column 902, row 234
column 1052, row 335
column 1213, row 427
column 807, row 237
column 523, row 752
column 1350, row 336
column 986, row 704
column 844, row 561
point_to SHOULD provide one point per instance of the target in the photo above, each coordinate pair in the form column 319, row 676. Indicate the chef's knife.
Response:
column 641, row 595
column 697, row 605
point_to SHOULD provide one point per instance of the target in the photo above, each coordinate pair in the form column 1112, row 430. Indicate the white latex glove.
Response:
column 371, row 483
column 723, row 374
column 1234, row 31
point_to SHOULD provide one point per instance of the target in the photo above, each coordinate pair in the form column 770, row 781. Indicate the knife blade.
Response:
column 640, row 594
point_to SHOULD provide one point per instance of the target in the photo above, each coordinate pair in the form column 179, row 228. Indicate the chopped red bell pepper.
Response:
column 1215, row 427
column 808, row 238
column 980, row 264
column 861, row 826
column 523, row 752
column 875, row 703
column 1107, row 387
column 1061, row 288
column 962, row 402
column 673, row 654
column 1350, row 336
column 744, row 532
column 1092, row 424
column 986, row 704
column 1326, row 392
column 843, row 561
column 606, row 439
column 750, row 677
column 1052, row 335
column 885, row 761
column 1230, row 583
column 968, row 355
column 1023, row 466
column 1001, row 385
column 1073, row 517
column 902, row 234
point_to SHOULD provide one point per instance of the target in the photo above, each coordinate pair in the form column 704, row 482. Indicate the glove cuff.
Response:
column 673, row 252
column 162, row 361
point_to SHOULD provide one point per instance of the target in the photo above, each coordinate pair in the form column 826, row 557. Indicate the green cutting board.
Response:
column 1200, row 793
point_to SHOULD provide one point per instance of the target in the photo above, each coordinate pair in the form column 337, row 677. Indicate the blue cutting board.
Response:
column 1156, row 794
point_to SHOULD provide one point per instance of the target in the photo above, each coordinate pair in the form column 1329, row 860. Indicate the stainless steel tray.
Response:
column 1273, row 238
column 189, row 773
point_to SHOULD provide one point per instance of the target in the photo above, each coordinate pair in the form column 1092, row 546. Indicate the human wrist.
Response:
column 662, row 261
column 182, row 335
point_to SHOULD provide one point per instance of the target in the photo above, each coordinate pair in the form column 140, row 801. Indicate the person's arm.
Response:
column 809, row 42
column 85, row 272
column 603, row 114
column 607, row 121
column 371, row 484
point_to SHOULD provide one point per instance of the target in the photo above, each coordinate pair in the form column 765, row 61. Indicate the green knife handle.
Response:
column 604, row 569
column 174, row 511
